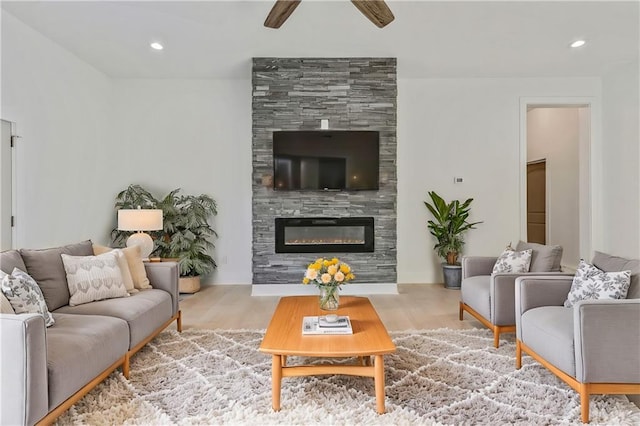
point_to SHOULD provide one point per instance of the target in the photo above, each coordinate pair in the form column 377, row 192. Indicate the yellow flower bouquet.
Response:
column 328, row 275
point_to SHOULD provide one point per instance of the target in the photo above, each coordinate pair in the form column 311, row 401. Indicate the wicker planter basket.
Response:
column 189, row 284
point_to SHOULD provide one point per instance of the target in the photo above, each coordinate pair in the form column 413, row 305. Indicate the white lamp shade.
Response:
column 139, row 219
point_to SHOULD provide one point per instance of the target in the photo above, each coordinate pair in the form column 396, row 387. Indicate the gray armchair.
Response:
column 490, row 297
column 594, row 346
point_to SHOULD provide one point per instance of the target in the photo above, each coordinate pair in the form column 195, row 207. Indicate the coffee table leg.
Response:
column 378, row 377
column 276, row 381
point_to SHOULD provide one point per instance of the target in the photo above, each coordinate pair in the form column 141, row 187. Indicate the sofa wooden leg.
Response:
column 496, row 336
column 126, row 366
column 584, row 402
column 518, row 355
column 179, row 322
column 461, row 311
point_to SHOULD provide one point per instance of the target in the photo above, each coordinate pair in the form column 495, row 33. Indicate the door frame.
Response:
column 590, row 174
column 14, row 181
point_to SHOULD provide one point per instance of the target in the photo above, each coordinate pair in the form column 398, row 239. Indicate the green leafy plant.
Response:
column 186, row 234
column 450, row 222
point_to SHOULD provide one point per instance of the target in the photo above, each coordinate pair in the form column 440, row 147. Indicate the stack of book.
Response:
column 320, row 325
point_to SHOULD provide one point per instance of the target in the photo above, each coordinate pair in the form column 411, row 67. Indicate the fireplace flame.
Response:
column 323, row 241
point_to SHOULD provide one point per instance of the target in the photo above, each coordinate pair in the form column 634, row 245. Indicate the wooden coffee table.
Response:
column 369, row 339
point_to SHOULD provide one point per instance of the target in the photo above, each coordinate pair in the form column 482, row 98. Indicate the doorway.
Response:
column 537, row 202
column 6, row 186
column 557, row 145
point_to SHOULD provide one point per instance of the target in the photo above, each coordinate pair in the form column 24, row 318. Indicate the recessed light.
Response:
column 578, row 43
column 157, row 46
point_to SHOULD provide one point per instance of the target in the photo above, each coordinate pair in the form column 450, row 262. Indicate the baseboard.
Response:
column 359, row 289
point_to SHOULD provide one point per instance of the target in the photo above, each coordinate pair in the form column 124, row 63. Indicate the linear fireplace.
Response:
column 324, row 235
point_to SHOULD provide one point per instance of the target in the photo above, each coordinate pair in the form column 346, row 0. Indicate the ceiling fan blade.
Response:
column 280, row 12
column 376, row 10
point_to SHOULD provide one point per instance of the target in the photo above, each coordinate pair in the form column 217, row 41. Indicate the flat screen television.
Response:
column 329, row 160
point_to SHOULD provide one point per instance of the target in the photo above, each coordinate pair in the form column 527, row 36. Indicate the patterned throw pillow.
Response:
column 92, row 278
column 512, row 261
column 25, row 295
column 590, row 283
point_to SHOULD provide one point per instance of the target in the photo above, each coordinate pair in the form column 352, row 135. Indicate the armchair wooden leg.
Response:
column 179, row 322
column 518, row 355
column 584, row 402
column 461, row 311
column 496, row 336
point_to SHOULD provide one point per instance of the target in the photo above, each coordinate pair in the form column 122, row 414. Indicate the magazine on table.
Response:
column 322, row 325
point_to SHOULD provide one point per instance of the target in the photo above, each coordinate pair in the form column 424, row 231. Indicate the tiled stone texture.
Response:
column 295, row 94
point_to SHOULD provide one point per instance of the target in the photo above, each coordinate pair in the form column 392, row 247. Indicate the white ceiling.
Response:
column 217, row 39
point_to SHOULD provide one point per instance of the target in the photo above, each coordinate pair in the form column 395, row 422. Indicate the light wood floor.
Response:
column 418, row 306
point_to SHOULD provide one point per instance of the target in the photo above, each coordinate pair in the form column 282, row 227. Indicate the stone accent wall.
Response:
column 295, row 94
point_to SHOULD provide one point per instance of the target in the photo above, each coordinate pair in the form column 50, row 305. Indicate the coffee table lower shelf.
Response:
column 364, row 369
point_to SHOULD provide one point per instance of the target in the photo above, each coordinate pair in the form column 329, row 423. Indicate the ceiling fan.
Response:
column 376, row 11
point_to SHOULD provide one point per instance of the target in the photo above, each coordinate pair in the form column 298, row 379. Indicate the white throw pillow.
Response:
column 590, row 283
column 92, row 278
column 25, row 295
column 511, row 261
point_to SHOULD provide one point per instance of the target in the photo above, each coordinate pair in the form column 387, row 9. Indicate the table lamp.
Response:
column 140, row 220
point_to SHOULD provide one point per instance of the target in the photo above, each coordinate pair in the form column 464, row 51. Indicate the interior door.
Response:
column 5, row 186
column 537, row 202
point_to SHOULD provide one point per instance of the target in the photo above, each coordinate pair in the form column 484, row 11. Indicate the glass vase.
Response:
column 329, row 298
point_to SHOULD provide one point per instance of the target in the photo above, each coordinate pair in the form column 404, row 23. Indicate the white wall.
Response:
column 85, row 137
column 61, row 108
column 467, row 128
column 621, row 161
column 553, row 134
column 194, row 135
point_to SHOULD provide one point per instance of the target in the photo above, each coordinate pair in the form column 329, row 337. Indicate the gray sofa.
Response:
column 593, row 346
column 490, row 297
column 46, row 370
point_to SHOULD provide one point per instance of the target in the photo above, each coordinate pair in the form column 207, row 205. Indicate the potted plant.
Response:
column 186, row 235
column 450, row 222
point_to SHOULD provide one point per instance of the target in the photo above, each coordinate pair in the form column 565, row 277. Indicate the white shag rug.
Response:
column 436, row 377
